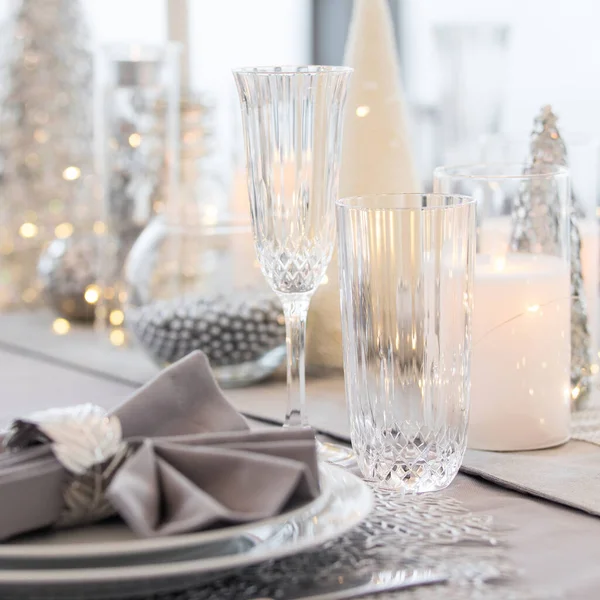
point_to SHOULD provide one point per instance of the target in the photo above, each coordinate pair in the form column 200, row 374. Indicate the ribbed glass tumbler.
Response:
column 292, row 119
column 406, row 273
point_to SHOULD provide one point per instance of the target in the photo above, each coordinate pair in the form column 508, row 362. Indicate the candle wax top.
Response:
column 500, row 266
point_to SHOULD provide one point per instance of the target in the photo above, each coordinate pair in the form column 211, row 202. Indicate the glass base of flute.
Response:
column 295, row 308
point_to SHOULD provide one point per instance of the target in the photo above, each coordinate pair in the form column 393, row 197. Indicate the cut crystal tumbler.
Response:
column 406, row 272
column 292, row 121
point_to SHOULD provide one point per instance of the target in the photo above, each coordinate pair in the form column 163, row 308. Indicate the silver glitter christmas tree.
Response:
column 536, row 227
column 45, row 139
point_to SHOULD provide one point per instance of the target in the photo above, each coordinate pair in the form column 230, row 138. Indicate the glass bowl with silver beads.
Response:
column 199, row 287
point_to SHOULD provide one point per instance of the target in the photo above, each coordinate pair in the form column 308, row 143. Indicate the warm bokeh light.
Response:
column 71, row 173
column 362, row 111
column 28, row 230
column 99, row 227
column 92, row 294
column 61, row 326
column 533, row 308
column 116, row 317
column 325, row 280
column 211, row 215
column 135, row 139
column 575, row 393
column 117, row 337
column 63, row 230
column 40, row 136
column 499, row 263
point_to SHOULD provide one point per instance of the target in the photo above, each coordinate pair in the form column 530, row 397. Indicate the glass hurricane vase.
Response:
column 524, row 293
column 292, row 122
column 198, row 287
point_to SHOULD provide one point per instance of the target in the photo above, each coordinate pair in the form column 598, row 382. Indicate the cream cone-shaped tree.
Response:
column 376, row 155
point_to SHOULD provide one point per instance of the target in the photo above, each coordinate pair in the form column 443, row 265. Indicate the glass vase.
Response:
column 472, row 64
column 521, row 370
column 199, row 287
column 582, row 158
column 137, row 143
column 292, row 122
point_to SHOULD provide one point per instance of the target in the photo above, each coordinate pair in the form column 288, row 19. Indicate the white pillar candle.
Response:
column 520, row 394
column 494, row 238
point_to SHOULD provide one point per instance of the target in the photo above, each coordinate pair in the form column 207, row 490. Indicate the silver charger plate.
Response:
column 150, row 566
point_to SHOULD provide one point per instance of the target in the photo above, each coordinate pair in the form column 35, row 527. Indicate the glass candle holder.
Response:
column 137, row 143
column 199, row 287
column 406, row 272
column 520, row 377
column 582, row 155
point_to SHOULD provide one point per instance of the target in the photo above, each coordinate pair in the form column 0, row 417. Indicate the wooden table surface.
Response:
column 558, row 548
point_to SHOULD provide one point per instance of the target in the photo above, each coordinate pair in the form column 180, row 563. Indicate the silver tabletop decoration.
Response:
column 67, row 269
column 536, row 222
column 585, row 426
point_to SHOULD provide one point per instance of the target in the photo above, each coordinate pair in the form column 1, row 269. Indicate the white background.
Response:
column 554, row 55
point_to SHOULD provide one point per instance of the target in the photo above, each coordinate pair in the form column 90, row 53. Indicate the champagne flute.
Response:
column 292, row 120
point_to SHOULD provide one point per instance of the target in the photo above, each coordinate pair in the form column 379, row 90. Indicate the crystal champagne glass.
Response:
column 292, row 120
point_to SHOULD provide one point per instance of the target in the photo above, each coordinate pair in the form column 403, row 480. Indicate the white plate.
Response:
column 182, row 560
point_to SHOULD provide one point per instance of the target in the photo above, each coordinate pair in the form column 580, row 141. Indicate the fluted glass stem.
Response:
column 296, row 311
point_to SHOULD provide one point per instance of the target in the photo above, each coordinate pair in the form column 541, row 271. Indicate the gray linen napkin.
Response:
column 195, row 463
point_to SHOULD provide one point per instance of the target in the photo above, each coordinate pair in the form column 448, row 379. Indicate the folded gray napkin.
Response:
column 191, row 463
